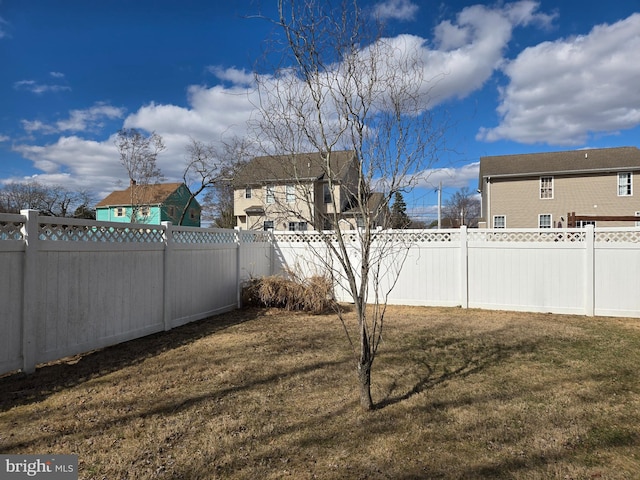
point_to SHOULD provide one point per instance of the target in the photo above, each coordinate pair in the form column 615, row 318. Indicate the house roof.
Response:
column 568, row 162
column 298, row 167
column 153, row 194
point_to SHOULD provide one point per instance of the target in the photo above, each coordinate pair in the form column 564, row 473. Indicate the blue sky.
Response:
column 525, row 76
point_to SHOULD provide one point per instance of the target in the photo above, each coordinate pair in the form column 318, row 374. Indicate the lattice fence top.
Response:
column 255, row 237
column 395, row 236
column 11, row 230
column 526, row 236
column 618, row 236
column 203, row 236
column 91, row 233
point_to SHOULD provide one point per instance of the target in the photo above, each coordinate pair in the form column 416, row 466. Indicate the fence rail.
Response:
column 69, row 286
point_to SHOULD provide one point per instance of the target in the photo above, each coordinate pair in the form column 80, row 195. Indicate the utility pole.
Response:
column 439, row 204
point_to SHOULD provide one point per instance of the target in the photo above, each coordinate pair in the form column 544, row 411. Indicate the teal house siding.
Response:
column 154, row 204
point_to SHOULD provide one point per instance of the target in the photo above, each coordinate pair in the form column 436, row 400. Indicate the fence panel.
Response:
column 11, row 284
column 201, row 273
column 95, row 291
column 617, row 272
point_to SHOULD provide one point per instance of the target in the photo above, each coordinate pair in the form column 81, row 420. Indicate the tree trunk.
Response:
column 364, row 377
column 364, row 365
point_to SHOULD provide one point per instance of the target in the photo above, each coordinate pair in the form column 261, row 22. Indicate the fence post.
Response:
column 238, row 266
column 589, row 271
column 464, row 268
column 168, row 274
column 30, row 293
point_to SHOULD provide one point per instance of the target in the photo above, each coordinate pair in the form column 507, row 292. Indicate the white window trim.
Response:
column 504, row 217
column 270, row 194
column 290, row 193
column 545, row 215
column 628, row 184
column 247, row 192
column 552, row 192
column 120, row 212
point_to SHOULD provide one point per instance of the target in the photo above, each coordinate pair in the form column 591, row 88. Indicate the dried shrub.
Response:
column 291, row 292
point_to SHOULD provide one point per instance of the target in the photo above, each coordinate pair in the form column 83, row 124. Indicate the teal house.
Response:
column 151, row 204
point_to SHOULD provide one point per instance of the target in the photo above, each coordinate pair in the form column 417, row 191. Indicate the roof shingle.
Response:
column 298, row 167
column 567, row 162
column 153, row 194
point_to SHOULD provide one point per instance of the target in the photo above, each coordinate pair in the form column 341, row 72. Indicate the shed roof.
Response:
column 565, row 162
column 153, row 194
column 298, row 167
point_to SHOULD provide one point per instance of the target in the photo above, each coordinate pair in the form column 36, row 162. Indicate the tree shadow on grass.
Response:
column 22, row 389
column 439, row 358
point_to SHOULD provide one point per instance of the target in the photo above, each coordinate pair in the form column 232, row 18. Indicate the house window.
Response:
column 499, row 221
column 120, row 212
column 193, row 214
column 624, row 184
column 270, row 196
column 268, row 226
column 291, row 193
column 247, row 192
column 546, row 187
column 171, row 211
column 297, row 226
column 544, row 220
column 326, row 193
column 145, row 211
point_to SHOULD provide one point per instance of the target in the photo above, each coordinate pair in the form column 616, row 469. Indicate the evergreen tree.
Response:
column 399, row 217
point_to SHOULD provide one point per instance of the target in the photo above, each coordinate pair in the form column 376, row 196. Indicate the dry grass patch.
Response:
column 272, row 394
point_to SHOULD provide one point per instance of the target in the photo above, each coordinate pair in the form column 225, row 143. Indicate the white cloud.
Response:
column 560, row 91
column 235, row 76
column 38, row 88
column 90, row 119
column 469, row 49
column 450, row 177
column 404, row 10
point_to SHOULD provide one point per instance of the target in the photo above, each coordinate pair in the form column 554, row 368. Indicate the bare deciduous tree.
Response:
column 462, row 208
column 52, row 200
column 341, row 89
column 138, row 155
column 210, row 169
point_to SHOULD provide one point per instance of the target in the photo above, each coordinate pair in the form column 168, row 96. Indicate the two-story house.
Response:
column 296, row 192
column 542, row 190
column 150, row 204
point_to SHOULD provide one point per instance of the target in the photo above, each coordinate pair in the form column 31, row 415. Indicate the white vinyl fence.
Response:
column 70, row 286
column 579, row 271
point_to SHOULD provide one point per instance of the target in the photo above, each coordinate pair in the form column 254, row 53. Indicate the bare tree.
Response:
column 341, row 89
column 210, row 169
column 138, row 155
column 462, row 208
column 52, row 200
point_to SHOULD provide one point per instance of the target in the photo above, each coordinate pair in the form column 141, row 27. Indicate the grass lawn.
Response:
column 266, row 394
